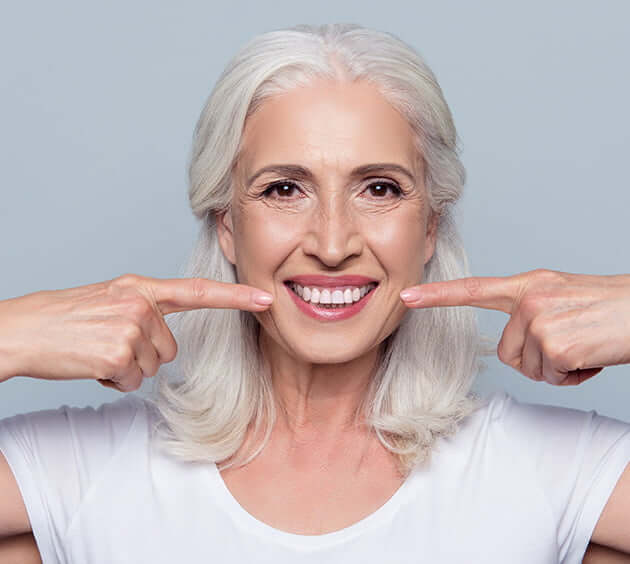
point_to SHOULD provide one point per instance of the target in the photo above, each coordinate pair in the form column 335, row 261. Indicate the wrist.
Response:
column 10, row 364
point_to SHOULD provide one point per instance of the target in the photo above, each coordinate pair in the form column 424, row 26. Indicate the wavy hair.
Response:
column 219, row 386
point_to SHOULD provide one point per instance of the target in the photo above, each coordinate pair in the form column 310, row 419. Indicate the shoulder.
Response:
column 554, row 442
column 539, row 431
column 503, row 409
column 515, row 416
column 92, row 432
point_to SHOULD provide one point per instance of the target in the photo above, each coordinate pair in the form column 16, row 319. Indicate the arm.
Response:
column 13, row 516
column 19, row 549
column 597, row 554
column 564, row 329
column 613, row 528
column 8, row 358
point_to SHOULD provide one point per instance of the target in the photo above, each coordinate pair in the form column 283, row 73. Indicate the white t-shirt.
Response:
column 518, row 483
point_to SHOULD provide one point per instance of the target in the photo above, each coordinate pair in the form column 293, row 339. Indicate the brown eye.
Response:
column 280, row 190
column 380, row 189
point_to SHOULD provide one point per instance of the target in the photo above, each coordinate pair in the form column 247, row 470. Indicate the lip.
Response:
column 338, row 314
column 330, row 281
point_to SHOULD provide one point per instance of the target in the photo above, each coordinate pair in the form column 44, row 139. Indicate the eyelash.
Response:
column 270, row 187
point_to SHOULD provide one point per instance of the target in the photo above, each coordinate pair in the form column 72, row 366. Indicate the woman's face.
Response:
column 321, row 216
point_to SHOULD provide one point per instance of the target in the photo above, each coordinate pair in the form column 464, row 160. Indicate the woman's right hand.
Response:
column 111, row 331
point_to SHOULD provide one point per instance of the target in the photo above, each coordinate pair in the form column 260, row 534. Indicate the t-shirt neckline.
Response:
column 247, row 521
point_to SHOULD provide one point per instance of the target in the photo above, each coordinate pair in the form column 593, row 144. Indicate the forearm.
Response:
column 9, row 357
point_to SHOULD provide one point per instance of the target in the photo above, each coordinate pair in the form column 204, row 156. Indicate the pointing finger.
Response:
column 181, row 294
column 498, row 293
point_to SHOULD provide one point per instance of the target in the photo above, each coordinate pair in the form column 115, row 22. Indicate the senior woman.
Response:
column 319, row 408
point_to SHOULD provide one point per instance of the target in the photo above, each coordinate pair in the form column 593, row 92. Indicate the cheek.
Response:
column 262, row 241
column 399, row 245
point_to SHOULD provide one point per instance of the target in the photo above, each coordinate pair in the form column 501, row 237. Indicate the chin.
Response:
column 328, row 353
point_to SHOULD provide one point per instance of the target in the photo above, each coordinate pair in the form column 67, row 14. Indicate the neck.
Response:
column 317, row 401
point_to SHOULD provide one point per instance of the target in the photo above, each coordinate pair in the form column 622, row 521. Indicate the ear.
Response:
column 431, row 235
column 225, row 232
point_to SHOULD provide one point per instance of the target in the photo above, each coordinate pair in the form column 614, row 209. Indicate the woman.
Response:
column 319, row 408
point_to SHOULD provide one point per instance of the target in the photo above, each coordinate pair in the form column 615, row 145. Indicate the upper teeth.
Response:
column 339, row 295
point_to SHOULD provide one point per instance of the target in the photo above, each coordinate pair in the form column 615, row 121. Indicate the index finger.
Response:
column 488, row 292
column 182, row 294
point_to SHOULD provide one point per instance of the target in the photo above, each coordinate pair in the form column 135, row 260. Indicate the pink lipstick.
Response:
column 331, row 314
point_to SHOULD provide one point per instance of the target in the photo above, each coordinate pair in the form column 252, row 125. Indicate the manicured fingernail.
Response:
column 410, row 295
column 262, row 298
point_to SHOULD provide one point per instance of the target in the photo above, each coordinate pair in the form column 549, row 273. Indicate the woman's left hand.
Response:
column 563, row 329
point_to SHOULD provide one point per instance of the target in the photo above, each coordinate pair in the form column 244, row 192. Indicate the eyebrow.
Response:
column 298, row 171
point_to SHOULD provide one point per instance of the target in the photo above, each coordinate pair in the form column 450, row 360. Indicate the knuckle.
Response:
column 548, row 276
column 199, row 288
column 123, row 281
column 473, row 287
column 538, row 328
column 127, row 279
column 530, row 305
column 122, row 358
column 131, row 333
column 573, row 356
column 555, row 351
column 139, row 307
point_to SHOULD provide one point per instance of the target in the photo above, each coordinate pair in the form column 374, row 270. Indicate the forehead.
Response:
column 328, row 126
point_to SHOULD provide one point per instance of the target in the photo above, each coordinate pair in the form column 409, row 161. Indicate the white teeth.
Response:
column 334, row 298
column 337, row 297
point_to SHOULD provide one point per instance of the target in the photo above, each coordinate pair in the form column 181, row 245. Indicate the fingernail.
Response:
column 410, row 295
column 262, row 298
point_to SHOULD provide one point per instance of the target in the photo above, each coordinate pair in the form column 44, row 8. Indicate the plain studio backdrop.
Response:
column 98, row 102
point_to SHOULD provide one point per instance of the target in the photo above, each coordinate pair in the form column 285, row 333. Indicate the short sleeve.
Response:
column 56, row 455
column 578, row 457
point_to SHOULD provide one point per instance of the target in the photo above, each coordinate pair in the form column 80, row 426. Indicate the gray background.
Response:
column 98, row 102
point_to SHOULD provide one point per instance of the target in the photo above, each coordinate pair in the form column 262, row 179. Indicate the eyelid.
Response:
column 297, row 183
column 273, row 183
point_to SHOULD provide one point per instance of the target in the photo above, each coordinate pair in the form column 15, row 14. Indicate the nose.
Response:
column 332, row 235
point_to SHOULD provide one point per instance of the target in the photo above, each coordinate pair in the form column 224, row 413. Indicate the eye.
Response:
column 283, row 190
column 379, row 189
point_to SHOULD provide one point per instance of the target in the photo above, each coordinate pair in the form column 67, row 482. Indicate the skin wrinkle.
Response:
column 331, row 225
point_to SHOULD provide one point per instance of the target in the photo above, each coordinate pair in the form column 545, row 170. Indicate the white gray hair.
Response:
column 219, row 385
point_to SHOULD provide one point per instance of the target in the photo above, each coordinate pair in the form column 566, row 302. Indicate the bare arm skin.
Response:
column 564, row 329
column 113, row 332
column 19, row 549
column 13, row 517
column 598, row 554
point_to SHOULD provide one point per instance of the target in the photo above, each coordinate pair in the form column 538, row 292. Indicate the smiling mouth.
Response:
column 337, row 297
